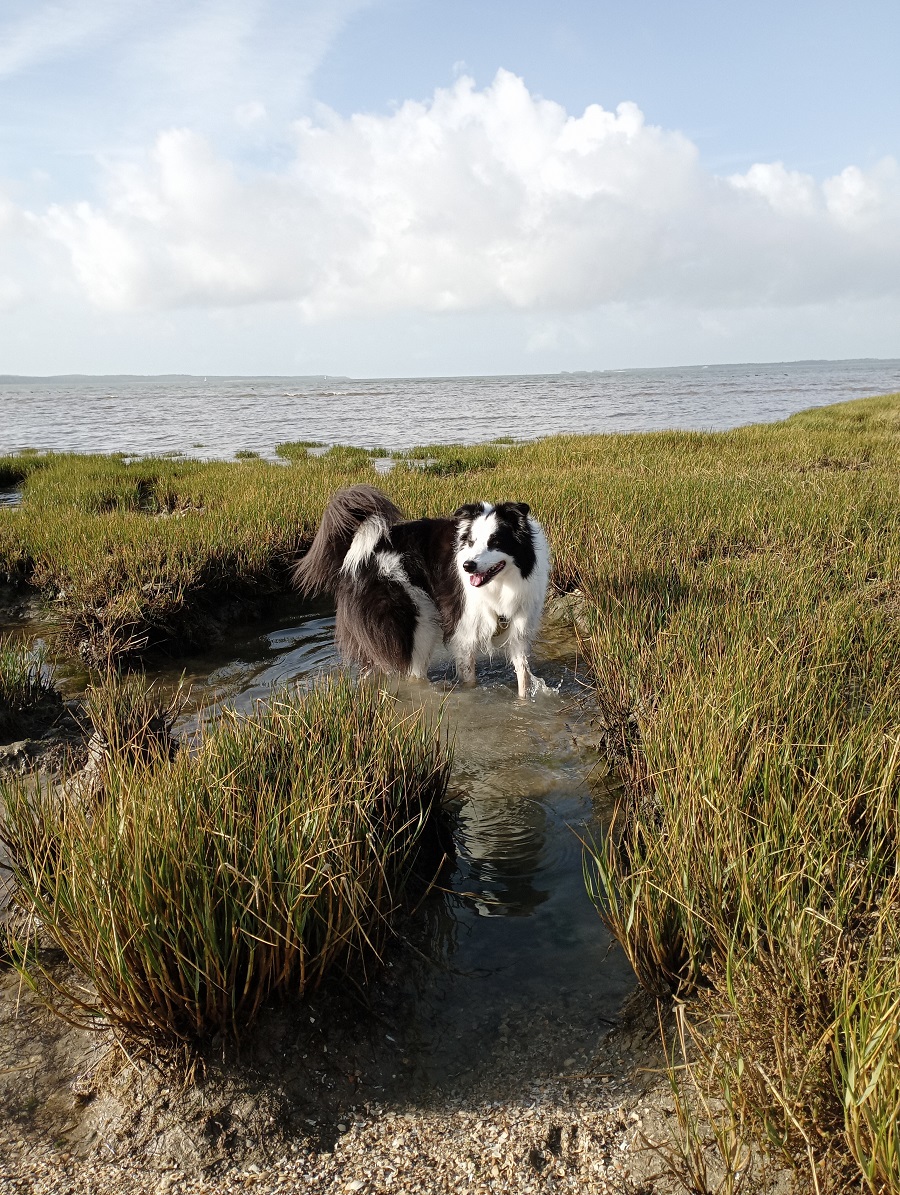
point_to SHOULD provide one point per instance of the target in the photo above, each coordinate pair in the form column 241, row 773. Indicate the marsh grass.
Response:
column 16, row 467
column 144, row 555
column 448, row 460
column 745, row 643
column 127, row 716
column 26, row 684
column 296, row 449
column 707, row 1150
column 739, row 609
column 273, row 849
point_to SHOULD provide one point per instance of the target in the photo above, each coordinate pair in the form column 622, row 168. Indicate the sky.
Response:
column 435, row 187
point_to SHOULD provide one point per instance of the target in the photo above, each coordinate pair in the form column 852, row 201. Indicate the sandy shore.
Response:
column 323, row 1099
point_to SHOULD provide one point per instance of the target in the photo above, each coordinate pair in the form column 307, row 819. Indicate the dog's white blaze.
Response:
column 363, row 544
column 481, row 531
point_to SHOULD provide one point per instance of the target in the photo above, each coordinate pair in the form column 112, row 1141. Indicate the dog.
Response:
column 409, row 590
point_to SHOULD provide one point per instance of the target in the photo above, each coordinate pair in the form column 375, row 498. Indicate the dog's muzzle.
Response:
column 476, row 578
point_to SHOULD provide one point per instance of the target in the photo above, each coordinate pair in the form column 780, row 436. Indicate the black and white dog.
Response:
column 406, row 590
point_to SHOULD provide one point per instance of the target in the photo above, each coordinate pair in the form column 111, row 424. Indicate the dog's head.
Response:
column 490, row 539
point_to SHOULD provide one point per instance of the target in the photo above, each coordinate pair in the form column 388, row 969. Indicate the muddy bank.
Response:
column 325, row 1095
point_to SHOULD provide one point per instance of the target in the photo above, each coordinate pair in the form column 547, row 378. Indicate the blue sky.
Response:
column 413, row 187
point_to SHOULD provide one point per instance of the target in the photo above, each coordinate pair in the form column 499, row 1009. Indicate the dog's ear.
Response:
column 520, row 509
column 471, row 510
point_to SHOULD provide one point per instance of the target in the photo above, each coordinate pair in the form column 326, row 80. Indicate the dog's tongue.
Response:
column 477, row 579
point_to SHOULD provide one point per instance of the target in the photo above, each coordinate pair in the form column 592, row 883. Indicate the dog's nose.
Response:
column 470, row 566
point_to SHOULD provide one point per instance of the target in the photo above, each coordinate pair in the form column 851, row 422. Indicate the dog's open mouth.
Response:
column 477, row 579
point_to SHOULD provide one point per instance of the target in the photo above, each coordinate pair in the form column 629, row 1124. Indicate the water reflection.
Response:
column 501, row 855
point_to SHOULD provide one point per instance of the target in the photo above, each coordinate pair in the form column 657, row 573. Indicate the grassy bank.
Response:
column 741, row 601
column 187, row 886
column 151, row 553
column 745, row 640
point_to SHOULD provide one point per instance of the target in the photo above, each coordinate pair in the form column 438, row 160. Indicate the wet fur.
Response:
column 404, row 591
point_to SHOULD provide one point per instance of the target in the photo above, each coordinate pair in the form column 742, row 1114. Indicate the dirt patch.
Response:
column 49, row 737
column 325, row 1095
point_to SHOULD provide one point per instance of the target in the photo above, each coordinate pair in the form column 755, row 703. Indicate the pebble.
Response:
column 448, row 1151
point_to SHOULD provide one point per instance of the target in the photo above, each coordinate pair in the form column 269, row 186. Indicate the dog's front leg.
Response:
column 465, row 668
column 517, row 654
column 524, row 674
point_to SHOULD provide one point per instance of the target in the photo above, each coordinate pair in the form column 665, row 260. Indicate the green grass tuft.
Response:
column 130, row 718
column 275, row 848
column 296, row 449
column 448, row 460
column 17, row 467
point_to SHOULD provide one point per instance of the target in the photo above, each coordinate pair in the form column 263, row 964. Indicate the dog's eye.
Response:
column 492, row 542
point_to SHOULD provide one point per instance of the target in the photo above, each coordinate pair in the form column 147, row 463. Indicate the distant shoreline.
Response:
column 15, row 378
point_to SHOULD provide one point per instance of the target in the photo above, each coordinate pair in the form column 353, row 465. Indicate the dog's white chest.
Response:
column 489, row 612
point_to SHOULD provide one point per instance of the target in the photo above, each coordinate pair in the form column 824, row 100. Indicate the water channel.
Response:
column 514, row 939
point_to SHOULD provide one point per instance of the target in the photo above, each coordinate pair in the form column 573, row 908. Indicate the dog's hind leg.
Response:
column 427, row 636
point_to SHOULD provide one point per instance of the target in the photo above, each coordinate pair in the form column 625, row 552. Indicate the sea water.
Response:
column 214, row 417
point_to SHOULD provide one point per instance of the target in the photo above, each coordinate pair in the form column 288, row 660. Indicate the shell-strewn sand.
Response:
column 331, row 1104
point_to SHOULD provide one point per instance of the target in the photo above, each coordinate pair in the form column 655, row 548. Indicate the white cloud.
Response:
column 787, row 191
column 211, row 62
column 477, row 200
column 32, row 34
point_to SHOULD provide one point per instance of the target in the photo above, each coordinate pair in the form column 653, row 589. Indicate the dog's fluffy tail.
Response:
column 318, row 571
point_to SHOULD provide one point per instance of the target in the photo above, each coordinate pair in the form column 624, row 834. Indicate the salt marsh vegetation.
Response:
column 738, row 610
column 26, row 685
